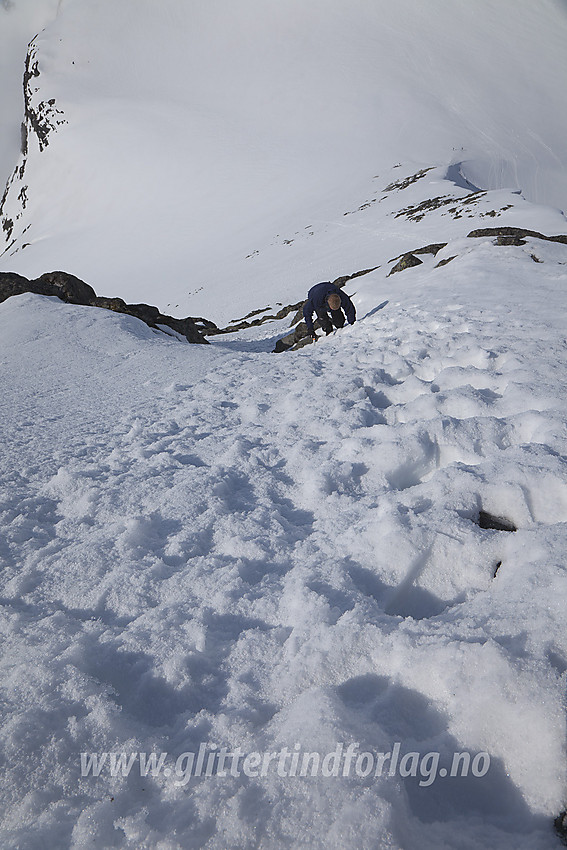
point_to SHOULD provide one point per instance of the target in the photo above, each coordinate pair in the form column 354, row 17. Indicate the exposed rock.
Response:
column 70, row 289
column 434, row 249
column 560, row 824
column 254, row 313
column 497, row 523
column 509, row 240
column 42, row 117
column 66, row 286
column 419, row 211
column 242, row 324
column 507, row 233
column 340, row 281
column 445, row 261
column 403, row 184
column 298, row 338
column 502, row 236
column 13, row 284
column 293, row 339
column 23, row 139
column 191, row 328
column 406, row 262
column 460, row 207
column 496, row 213
column 7, row 226
column 306, row 340
column 364, row 206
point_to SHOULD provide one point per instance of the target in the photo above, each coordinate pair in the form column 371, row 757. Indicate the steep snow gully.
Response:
column 259, row 600
column 312, row 599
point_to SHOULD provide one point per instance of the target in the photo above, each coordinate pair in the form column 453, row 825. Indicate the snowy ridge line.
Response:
column 503, row 235
column 71, row 290
column 40, row 120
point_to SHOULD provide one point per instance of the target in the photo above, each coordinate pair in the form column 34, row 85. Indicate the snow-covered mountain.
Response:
column 312, row 599
column 177, row 151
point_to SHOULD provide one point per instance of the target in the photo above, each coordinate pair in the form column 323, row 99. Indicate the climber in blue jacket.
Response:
column 326, row 301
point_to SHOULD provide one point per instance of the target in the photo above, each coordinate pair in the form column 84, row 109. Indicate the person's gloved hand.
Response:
column 328, row 331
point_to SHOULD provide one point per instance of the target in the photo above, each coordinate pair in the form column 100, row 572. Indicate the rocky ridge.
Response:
column 41, row 119
column 72, row 290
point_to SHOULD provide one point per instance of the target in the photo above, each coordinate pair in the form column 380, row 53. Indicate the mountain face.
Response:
column 182, row 152
column 19, row 23
column 306, row 599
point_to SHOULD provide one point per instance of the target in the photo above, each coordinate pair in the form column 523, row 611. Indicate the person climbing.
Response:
column 326, row 300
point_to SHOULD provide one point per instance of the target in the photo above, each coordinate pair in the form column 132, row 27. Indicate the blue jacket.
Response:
column 317, row 303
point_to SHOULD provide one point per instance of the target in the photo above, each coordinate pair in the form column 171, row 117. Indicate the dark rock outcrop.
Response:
column 514, row 235
column 72, row 290
column 406, row 262
column 65, row 286
column 560, row 824
column 509, row 240
column 340, row 281
column 42, row 118
column 445, row 261
column 13, row 284
column 434, row 249
column 403, row 184
column 496, row 523
column 296, row 339
column 242, row 324
column 457, row 207
column 409, row 259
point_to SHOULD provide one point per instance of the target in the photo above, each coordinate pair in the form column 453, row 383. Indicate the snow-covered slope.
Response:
column 188, row 138
column 270, row 581
column 19, row 23
column 223, row 550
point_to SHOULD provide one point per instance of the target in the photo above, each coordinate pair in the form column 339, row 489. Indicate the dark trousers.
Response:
column 330, row 318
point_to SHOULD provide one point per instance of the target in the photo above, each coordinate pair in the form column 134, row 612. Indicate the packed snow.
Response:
column 254, row 600
column 219, row 546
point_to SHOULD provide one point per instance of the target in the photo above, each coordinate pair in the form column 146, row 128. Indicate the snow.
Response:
column 19, row 22
column 246, row 600
column 218, row 546
column 219, row 135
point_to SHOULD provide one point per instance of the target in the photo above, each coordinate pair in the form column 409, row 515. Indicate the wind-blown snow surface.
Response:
column 215, row 546
column 192, row 143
